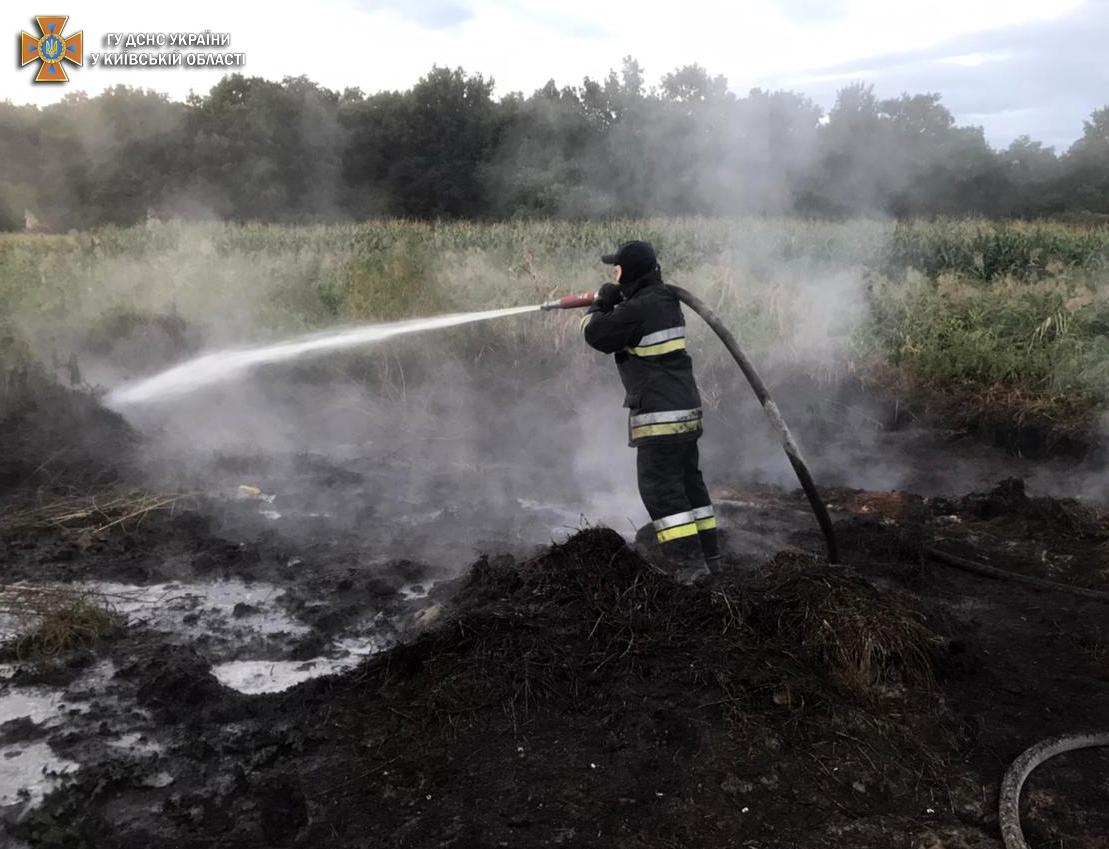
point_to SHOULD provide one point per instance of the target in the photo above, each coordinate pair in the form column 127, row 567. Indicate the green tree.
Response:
column 851, row 171
column 692, row 84
column 292, row 150
column 445, row 141
column 261, row 149
column 23, row 181
column 1033, row 173
column 1086, row 166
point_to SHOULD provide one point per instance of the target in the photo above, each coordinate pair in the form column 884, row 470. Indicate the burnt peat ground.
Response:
column 563, row 695
column 580, row 698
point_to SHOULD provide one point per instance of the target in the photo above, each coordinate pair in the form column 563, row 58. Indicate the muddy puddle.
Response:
column 29, row 715
column 250, row 637
column 271, row 591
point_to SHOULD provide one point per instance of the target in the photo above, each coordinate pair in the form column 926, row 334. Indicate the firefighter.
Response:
column 639, row 319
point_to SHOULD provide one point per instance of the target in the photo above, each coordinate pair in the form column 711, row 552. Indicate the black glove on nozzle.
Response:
column 607, row 298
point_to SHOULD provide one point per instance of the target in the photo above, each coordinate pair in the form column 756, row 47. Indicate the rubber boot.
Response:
column 684, row 560
column 710, row 548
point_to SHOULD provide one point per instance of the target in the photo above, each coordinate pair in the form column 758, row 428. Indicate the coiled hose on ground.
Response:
column 1022, row 767
column 793, row 452
column 1015, row 776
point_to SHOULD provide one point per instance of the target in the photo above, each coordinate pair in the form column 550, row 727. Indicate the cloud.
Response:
column 1039, row 79
column 988, row 57
column 976, row 59
column 813, row 10
column 430, row 14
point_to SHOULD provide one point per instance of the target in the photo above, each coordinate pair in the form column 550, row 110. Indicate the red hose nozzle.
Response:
column 570, row 302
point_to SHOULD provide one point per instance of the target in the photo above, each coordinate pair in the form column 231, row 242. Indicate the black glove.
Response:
column 607, row 298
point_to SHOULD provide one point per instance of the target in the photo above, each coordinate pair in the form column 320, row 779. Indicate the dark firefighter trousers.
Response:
column 675, row 495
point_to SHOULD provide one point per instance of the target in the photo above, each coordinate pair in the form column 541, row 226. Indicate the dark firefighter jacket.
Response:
column 646, row 332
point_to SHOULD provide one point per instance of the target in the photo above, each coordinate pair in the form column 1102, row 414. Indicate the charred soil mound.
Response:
column 57, row 436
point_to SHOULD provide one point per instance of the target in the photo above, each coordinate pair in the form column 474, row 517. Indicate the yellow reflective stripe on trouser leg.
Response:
column 676, row 526
column 678, row 532
column 584, row 319
column 705, row 516
column 665, row 423
column 666, row 428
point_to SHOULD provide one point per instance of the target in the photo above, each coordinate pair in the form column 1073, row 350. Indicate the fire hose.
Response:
column 789, row 444
column 987, row 571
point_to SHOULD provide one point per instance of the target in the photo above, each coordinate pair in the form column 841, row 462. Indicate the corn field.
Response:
column 1019, row 305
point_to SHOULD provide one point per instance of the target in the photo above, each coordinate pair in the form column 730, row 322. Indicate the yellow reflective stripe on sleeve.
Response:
column 706, row 524
column 665, row 429
column 659, row 349
column 584, row 319
column 677, row 532
column 662, row 336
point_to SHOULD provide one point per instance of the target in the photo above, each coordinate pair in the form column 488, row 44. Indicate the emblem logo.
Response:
column 51, row 49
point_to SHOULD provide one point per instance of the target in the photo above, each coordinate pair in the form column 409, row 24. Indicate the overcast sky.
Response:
column 1013, row 66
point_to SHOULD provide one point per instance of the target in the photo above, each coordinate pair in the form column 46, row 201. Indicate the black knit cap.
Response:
column 635, row 258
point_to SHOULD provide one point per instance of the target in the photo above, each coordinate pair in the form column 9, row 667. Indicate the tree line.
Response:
column 255, row 149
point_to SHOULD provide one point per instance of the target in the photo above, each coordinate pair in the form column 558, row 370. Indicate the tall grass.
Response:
column 986, row 252
column 1019, row 304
